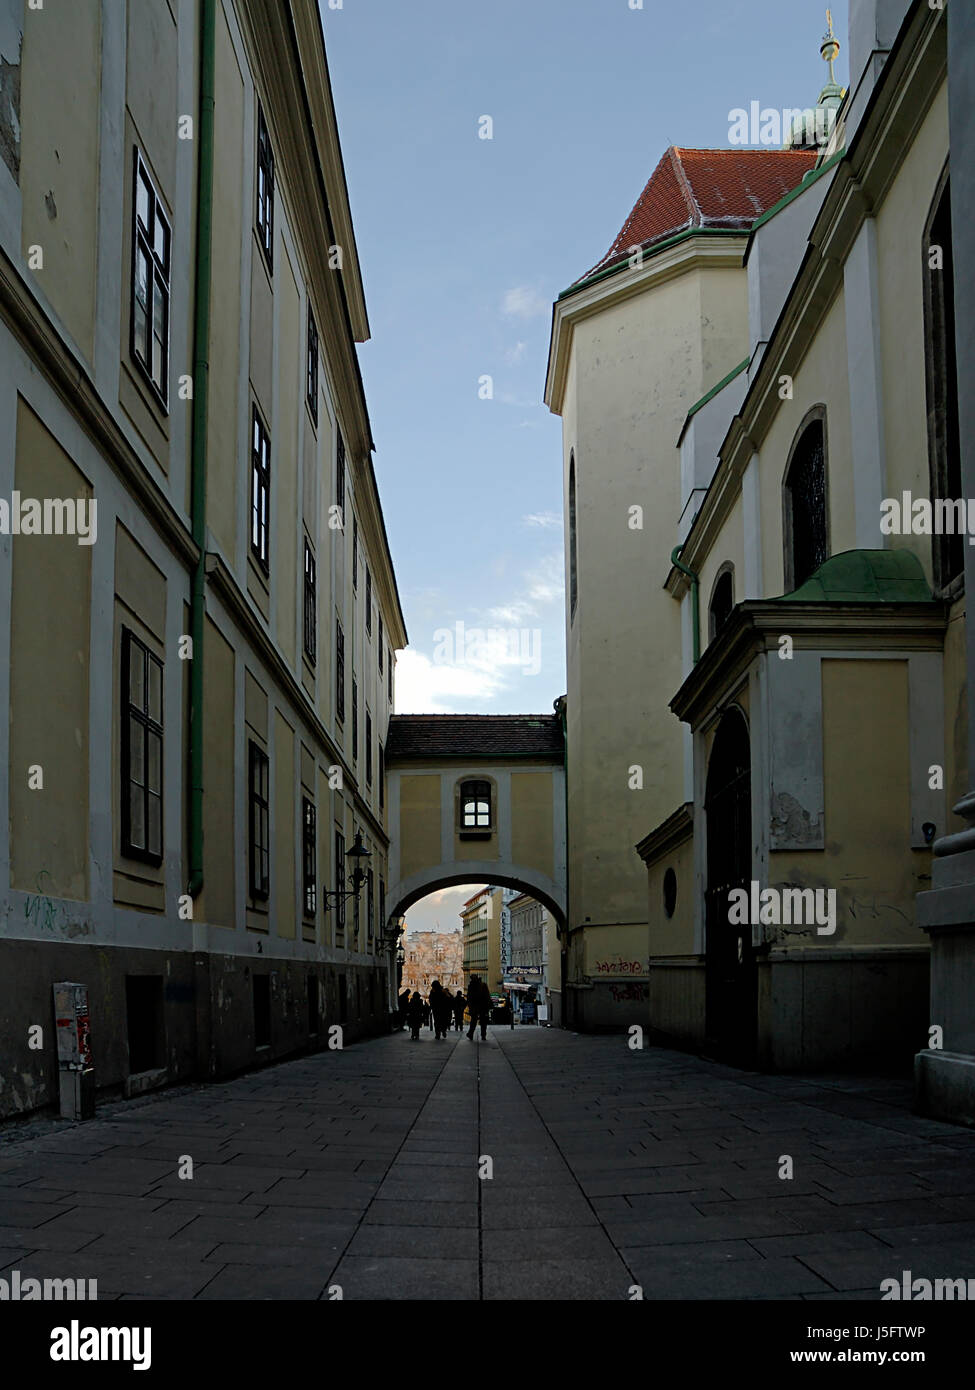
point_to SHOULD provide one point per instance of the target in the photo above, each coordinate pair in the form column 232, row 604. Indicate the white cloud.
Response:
column 524, row 303
column 426, row 687
column 544, row 519
column 514, row 355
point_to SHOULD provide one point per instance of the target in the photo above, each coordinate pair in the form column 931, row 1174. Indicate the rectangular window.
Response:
column 151, row 241
column 355, row 553
column 382, row 904
column 370, row 904
column 340, row 475
column 265, row 189
column 368, row 748
column 339, row 671
column 355, row 719
column 368, row 600
column 260, row 490
column 382, row 776
column 379, row 617
column 389, row 676
column 340, row 877
column 259, row 836
column 308, row 843
column 311, row 605
column 311, row 384
column 142, row 751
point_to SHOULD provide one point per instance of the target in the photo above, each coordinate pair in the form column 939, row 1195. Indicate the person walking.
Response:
column 404, row 1004
column 479, row 1003
column 460, row 1004
column 426, row 1013
column 415, row 1015
column 440, row 1008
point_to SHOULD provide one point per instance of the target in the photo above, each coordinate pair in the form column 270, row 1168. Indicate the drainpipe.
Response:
column 198, row 456
column 695, row 613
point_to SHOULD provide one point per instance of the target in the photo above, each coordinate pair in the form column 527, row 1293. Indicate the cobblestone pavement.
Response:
column 611, row 1168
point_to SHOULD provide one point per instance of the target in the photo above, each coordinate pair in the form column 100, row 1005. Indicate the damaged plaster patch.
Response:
column 11, row 46
column 792, row 826
column 50, row 204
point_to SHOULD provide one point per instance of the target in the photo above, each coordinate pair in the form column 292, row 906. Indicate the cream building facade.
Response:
column 821, row 681
column 197, row 704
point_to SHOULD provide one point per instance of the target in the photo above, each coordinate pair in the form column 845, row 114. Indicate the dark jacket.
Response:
column 415, row 1007
column 478, row 999
column 440, row 1003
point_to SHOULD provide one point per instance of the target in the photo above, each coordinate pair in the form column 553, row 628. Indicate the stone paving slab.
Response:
column 359, row 1170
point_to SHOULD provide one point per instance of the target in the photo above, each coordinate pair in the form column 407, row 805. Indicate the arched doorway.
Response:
column 731, row 976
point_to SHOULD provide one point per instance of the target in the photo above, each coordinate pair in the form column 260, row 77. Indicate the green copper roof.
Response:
column 735, row 371
column 865, row 576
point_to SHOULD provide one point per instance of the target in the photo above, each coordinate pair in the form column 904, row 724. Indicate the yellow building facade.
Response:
column 199, row 693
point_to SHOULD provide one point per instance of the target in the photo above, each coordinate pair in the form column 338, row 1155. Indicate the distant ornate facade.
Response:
column 434, row 955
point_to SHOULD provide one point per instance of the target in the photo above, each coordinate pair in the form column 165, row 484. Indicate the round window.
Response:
column 670, row 892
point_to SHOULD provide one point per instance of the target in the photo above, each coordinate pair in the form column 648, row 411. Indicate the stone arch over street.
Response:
column 476, row 799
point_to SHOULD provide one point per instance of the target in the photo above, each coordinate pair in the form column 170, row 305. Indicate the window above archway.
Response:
column 476, row 807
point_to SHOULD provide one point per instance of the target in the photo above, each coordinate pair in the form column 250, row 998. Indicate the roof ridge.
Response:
column 680, row 173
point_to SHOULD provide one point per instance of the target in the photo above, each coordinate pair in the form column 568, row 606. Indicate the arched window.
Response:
column 475, row 806
column 806, row 534
column 573, row 576
column 722, row 601
column 944, row 456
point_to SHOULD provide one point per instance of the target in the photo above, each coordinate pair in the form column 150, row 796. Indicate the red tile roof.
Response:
column 707, row 188
column 469, row 736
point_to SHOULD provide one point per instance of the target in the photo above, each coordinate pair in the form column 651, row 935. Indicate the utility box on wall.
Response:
column 76, row 1075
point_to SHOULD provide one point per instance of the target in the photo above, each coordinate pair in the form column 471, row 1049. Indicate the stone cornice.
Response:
column 909, row 84
column 693, row 249
column 674, row 831
column 225, row 585
column 37, row 334
column 853, row 629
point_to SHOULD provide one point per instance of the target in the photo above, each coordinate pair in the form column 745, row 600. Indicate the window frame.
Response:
column 311, row 367
column 476, row 829
column 258, row 823
column 159, row 269
column 817, row 415
column 355, row 554
column 381, row 774
column 152, row 728
column 264, row 211
column 573, row 539
column 340, row 474
column 310, row 606
column 260, row 529
column 309, row 858
column 339, row 671
column 355, row 720
column 340, row 880
column 368, row 747
column 368, row 601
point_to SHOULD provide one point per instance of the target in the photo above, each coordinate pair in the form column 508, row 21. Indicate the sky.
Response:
column 465, row 243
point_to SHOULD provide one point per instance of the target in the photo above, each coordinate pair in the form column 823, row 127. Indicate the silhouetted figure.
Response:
column 426, row 1013
column 479, row 1004
column 460, row 1004
column 414, row 1015
column 404, row 1004
column 441, row 1008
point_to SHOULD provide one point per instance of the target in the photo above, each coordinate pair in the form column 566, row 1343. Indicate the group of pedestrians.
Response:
column 442, row 1009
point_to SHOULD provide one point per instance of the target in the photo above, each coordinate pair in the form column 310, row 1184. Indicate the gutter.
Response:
column 695, row 609
column 198, row 448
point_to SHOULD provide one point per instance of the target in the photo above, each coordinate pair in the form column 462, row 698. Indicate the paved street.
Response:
column 611, row 1168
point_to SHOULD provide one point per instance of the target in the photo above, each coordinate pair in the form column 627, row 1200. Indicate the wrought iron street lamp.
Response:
column 357, row 875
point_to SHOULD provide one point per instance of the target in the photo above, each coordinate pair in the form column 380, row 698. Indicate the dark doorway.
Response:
column 730, row 970
column 144, row 1011
column 262, row 1011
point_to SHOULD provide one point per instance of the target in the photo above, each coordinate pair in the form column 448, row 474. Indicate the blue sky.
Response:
column 465, row 243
